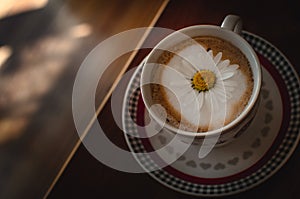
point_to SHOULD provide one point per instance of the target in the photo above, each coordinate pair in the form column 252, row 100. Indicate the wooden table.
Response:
column 277, row 22
column 73, row 172
column 42, row 45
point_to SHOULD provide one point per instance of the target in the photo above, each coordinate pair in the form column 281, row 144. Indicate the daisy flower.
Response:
column 202, row 83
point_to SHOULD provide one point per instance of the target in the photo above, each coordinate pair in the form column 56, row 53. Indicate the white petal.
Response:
column 234, row 66
column 228, row 95
column 226, row 89
column 200, row 100
column 194, row 61
column 223, row 64
column 207, row 99
column 196, row 55
column 230, row 89
column 218, row 57
column 179, row 83
column 221, row 94
column 230, row 83
column 227, row 75
column 172, row 75
column 189, row 69
column 174, row 81
column 187, row 98
column 219, row 85
column 206, row 61
column 214, row 100
column 224, row 92
column 222, row 99
column 231, row 69
column 210, row 52
column 170, row 70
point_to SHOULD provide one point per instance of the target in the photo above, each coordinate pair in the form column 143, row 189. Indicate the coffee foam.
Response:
column 210, row 118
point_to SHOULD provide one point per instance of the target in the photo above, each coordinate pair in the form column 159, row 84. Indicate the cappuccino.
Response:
column 203, row 84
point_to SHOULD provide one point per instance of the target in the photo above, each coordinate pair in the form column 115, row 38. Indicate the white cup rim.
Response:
column 251, row 102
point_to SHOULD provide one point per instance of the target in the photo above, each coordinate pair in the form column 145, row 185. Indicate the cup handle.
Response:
column 233, row 23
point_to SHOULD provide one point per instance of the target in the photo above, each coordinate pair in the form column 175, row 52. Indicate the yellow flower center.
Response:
column 203, row 80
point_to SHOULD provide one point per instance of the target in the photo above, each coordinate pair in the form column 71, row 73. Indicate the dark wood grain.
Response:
column 276, row 21
column 48, row 44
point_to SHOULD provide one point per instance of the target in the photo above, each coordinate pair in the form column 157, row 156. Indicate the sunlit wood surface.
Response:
column 42, row 44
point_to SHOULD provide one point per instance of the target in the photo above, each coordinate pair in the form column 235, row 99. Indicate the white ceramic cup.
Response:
column 229, row 31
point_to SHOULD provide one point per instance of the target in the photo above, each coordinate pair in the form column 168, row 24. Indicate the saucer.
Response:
column 246, row 162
